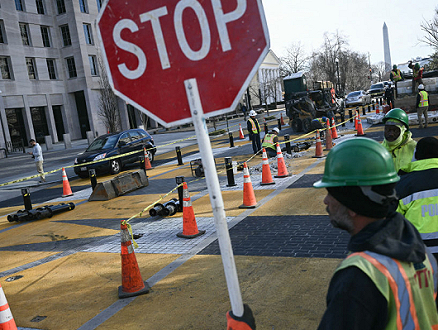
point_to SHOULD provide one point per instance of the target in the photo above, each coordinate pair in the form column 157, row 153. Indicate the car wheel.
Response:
column 297, row 125
column 306, row 125
column 115, row 166
column 150, row 155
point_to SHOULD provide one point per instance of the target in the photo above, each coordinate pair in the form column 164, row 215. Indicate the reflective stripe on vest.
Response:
column 268, row 141
column 424, row 100
column 253, row 125
column 403, row 283
column 396, row 76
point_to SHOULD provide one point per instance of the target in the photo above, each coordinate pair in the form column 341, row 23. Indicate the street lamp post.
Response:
column 337, row 70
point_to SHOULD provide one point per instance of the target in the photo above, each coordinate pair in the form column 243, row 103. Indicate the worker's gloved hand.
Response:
column 245, row 322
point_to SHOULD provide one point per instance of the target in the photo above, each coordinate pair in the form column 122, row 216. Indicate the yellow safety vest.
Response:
column 409, row 289
column 255, row 127
column 424, row 99
column 268, row 141
column 396, row 75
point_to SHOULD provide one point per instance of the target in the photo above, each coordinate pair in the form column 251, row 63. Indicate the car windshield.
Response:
column 103, row 143
column 353, row 94
column 376, row 86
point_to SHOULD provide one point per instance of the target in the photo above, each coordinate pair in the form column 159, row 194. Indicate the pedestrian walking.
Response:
column 37, row 154
column 417, row 192
column 270, row 142
column 422, row 105
column 396, row 75
column 382, row 282
column 398, row 138
column 253, row 128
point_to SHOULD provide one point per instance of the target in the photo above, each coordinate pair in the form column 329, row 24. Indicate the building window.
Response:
column 93, row 65
column 99, row 4
column 71, row 67
column 2, row 33
column 5, row 68
column 66, row 40
column 40, row 6
column 51, row 67
column 19, row 5
column 88, row 34
column 83, row 5
column 31, row 68
column 61, row 6
column 24, row 31
column 45, row 34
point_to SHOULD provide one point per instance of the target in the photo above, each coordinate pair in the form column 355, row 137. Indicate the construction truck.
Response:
column 304, row 105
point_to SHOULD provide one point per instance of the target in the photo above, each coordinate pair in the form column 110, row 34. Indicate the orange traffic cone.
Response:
column 282, row 120
column 282, row 170
column 132, row 283
column 249, row 200
column 66, row 190
column 318, row 149
column 241, row 136
column 266, row 170
column 147, row 162
column 377, row 108
column 190, row 228
column 355, row 121
column 334, row 131
column 7, row 321
column 328, row 139
column 359, row 127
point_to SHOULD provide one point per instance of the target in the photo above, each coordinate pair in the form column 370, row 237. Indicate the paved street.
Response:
column 285, row 248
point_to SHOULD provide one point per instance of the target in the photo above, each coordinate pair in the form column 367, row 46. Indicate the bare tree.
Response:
column 431, row 38
column 294, row 61
column 108, row 108
column 379, row 71
column 356, row 70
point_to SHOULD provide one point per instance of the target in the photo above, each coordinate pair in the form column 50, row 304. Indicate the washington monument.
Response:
column 386, row 51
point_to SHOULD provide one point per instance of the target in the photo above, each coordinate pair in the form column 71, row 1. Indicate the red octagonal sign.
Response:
column 152, row 46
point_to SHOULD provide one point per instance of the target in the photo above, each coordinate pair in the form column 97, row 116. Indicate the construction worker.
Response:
column 398, row 139
column 319, row 123
column 270, row 142
column 396, row 75
column 418, row 192
column 422, row 105
column 382, row 283
column 417, row 76
column 253, row 128
column 389, row 96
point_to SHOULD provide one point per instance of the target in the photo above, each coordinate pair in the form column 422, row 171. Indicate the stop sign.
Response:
column 152, row 46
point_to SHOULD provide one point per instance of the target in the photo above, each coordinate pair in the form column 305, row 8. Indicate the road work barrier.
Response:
column 132, row 282
column 241, row 135
column 190, row 227
column 120, row 185
column 328, row 137
column 249, row 200
column 334, row 130
column 66, row 190
column 318, row 148
column 359, row 127
column 266, row 171
column 7, row 321
column 282, row 169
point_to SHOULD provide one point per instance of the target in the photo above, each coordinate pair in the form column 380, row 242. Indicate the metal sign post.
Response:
column 216, row 200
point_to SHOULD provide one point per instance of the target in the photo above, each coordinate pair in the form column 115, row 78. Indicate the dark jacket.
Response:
column 352, row 296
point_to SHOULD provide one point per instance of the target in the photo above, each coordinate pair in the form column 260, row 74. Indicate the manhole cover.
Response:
column 38, row 318
column 13, row 278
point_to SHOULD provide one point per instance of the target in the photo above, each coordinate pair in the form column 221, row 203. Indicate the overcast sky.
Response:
column 291, row 21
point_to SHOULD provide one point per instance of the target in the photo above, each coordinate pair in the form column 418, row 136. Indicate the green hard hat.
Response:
column 397, row 114
column 358, row 162
column 417, row 66
column 394, row 66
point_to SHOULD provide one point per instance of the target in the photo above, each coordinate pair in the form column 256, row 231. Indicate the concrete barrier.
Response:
column 120, row 185
column 67, row 140
column 90, row 137
column 48, row 141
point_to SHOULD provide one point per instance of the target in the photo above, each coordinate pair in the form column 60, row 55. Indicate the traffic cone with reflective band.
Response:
column 328, row 139
column 190, row 228
column 147, row 162
column 359, row 127
column 132, row 283
column 318, row 148
column 266, row 170
column 355, row 121
column 241, row 136
column 249, row 200
column 7, row 321
column 377, row 108
column 66, row 190
column 282, row 170
column 334, row 131
column 282, row 120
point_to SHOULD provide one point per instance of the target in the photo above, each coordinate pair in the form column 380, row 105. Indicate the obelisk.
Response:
column 386, row 51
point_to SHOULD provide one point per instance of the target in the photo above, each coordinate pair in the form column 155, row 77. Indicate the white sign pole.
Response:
column 216, row 200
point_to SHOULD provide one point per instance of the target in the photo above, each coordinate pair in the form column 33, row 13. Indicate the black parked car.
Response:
column 377, row 90
column 113, row 144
